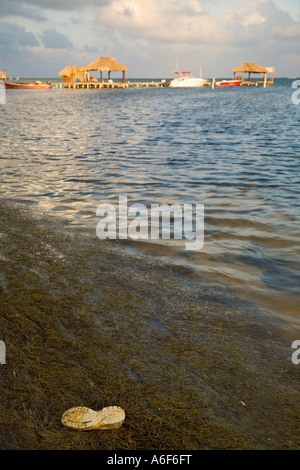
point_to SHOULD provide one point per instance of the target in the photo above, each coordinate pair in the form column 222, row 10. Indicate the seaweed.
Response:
column 194, row 365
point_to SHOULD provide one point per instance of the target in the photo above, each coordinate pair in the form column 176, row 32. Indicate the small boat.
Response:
column 29, row 86
column 229, row 83
column 186, row 79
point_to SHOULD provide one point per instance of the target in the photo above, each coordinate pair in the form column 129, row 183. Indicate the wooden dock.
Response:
column 99, row 85
column 257, row 83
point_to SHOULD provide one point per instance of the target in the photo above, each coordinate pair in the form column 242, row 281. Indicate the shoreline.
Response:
column 86, row 323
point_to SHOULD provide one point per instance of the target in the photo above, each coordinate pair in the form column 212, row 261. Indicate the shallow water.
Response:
column 234, row 150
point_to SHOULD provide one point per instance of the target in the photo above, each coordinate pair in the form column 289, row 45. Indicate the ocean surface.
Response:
column 235, row 150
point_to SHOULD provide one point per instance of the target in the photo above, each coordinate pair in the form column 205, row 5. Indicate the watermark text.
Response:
column 296, row 94
column 2, row 352
column 296, row 354
column 161, row 221
column 2, row 92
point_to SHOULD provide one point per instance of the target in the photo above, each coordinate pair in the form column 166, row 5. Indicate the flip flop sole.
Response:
column 111, row 417
column 85, row 419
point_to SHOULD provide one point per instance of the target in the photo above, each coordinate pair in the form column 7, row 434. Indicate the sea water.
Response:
column 235, row 150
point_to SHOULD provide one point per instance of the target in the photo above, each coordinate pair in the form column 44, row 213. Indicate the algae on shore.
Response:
column 193, row 365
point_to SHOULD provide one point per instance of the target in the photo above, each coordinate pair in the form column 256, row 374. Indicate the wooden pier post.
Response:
column 265, row 80
column 249, row 75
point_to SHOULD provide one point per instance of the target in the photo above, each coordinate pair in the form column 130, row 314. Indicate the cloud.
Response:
column 180, row 21
column 221, row 34
column 280, row 23
column 245, row 17
column 194, row 24
column 16, row 8
column 61, row 4
column 11, row 34
column 92, row 49
column 54, row 40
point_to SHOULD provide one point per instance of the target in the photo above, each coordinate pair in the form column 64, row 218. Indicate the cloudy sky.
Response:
column 40, row 37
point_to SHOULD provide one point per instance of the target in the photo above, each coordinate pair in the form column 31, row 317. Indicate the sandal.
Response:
column 85, row 419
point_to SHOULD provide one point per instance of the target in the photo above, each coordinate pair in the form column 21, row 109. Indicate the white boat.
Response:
column 186, row 79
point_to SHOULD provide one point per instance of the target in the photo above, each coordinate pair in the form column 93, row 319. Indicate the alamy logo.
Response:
column 296, row 354
column 296, row 94
column 2, row 92
column 161, row 221
column 2, row 353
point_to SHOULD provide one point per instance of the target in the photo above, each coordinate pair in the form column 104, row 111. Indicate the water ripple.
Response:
column 67, row 152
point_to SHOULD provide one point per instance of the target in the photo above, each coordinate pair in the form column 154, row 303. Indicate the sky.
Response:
column 38, row 38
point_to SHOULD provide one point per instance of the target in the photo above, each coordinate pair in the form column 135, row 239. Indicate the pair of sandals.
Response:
column 85, row 419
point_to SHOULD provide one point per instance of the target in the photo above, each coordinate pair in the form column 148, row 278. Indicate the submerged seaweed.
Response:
column 193, row 365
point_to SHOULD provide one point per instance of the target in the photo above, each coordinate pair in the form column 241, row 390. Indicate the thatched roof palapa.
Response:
column 106, row 64
column 250, row 67
column 69, row 70
column 254, row 68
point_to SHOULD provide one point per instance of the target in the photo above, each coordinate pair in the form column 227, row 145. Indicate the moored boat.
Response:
column 186, row 79
column 29, row 86
column 229, row 83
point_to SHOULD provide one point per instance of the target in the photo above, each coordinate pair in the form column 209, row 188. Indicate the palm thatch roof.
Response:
column 250, row 67
column 69, row 70
column 106, row 64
